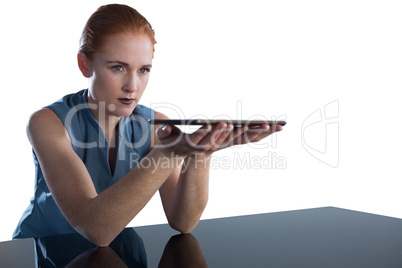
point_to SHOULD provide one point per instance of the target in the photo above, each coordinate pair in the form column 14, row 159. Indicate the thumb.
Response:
column 163, row 132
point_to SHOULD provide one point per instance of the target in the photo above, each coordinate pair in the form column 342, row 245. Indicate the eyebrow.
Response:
column 116, row 61
column 126, row 64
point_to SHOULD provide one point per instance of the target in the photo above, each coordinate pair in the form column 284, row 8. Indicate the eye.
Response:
column 144, row 70
column 117, row 68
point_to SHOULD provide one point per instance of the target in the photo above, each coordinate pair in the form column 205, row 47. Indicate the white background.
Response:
column 234, row 58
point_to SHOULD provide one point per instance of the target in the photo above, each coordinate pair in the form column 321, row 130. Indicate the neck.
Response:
column 106, row 120
column 109, row 125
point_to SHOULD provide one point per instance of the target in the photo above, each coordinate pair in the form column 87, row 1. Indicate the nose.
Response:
column 130, row 84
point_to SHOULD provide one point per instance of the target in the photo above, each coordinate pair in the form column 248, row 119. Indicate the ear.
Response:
column 84, row 65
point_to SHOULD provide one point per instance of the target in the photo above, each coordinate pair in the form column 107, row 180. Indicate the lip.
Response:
column 126, row 101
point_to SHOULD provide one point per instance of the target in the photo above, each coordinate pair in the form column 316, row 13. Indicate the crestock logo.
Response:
column 320, row 134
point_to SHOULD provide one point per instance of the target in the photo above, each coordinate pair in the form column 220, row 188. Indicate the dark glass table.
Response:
column 320, row 237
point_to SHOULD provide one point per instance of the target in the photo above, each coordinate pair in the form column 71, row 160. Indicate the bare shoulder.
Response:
column 42, row 118
column 45, row 124
column 159, row 115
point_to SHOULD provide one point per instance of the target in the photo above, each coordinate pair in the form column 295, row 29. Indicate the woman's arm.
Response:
column 185, row 199
column 99, row 218
column 185, row 194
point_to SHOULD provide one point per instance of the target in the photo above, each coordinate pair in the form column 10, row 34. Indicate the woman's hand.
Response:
column 251, row 134
column 208, row 140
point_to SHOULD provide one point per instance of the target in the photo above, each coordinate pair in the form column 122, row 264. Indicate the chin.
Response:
column 124, row 112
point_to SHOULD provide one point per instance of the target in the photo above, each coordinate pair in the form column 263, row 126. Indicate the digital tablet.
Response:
column 236, row 123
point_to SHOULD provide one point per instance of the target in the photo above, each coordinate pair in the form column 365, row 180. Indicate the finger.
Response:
column 278, row 128
column 263, row 135
column 206, row 128
column 235, row 137
column 211, row 138
column 163, row 132
column 195, row 138
column 167, row 130
column 223, row 139
column 229, row 136
column 252, row 134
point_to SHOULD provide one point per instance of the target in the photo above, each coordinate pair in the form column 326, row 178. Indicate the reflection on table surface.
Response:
column 183, row 250
column 127, row 250
column 321, row 237
column 73, row 250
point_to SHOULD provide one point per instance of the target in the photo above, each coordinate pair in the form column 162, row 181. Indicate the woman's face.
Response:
column 120, row 73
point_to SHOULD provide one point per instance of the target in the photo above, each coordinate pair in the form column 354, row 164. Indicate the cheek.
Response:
column 144, row 83
column 103, row 83
column 142, row 87
column 102, row 80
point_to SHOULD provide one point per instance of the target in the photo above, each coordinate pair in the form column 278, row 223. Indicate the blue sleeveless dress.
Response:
column 43, row 217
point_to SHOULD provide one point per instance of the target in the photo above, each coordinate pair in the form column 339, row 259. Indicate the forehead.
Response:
column 127, row 47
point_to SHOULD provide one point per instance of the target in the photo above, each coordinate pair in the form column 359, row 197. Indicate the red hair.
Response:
column 113, row 19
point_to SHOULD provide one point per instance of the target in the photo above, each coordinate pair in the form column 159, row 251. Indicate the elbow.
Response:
column 101, row 238
column 93, row 227
column 183, row 227
column 185, row 223
column 100, row 241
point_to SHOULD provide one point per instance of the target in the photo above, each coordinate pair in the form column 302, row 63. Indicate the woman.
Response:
column 84, row 144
